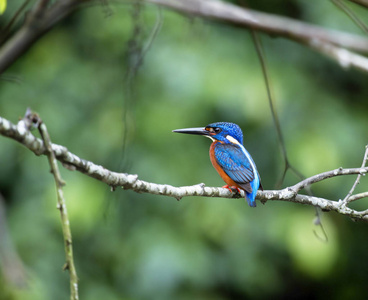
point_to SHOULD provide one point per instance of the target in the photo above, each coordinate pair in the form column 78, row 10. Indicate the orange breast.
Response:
column 219, row 170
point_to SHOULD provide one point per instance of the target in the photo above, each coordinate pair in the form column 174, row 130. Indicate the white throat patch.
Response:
column 210, row 137
column 232, row 140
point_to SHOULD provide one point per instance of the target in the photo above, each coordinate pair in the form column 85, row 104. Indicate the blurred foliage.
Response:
column 79, row 79
column 2, row 6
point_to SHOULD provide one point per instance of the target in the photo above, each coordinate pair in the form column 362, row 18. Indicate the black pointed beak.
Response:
column 196, row 130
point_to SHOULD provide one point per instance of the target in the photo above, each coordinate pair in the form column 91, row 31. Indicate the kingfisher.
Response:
column 229, row 157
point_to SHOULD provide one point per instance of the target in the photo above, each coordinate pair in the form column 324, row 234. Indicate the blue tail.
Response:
column 251, row 197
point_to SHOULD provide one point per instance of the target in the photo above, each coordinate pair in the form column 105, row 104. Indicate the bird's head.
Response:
column 224, row 132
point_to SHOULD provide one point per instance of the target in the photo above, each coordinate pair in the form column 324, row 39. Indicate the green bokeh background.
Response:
column 79, row 79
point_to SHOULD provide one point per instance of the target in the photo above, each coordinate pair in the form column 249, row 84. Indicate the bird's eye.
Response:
column 213, row 130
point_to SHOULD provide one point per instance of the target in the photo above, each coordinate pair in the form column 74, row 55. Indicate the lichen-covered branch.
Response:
column 71, row 161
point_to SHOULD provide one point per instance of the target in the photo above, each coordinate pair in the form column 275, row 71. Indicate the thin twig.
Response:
column 134, row 58
column 351, row 15
column 266, row 78
column 287, row 165
column 329, row 174
column 358, row 196
column 11, row 78
column 271, row 100
column 155, row 31
column 7, row 28
column 318, row 222
column 61, row 206
column 348, row 199
column 135, row 53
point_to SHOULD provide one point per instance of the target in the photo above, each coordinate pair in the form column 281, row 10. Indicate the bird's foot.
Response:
column 231, row 188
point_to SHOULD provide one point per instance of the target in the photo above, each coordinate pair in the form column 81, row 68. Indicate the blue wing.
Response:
column 236, row 165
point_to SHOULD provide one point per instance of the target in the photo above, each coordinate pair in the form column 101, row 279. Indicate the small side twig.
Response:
column 61, row 206
column 348, row 197
column 358, row 196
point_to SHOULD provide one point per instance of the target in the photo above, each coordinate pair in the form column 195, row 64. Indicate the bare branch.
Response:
column 71, row 161
column 345, row 58
column 38, row 24
column 268, row 23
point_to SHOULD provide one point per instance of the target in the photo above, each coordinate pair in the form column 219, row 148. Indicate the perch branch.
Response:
column 71, row 161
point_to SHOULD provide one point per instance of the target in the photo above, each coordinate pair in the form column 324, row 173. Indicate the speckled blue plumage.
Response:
column 235, row 160
column 230, row 129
